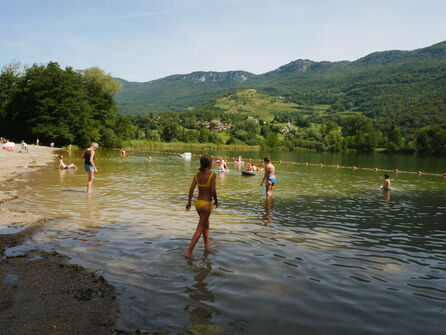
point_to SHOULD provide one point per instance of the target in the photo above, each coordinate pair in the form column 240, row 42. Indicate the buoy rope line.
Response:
column 252, row 160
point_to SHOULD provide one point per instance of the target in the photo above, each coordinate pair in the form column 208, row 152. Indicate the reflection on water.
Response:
column 330, row 253
column 386, row 194
column 268, row 214
column 199, row 293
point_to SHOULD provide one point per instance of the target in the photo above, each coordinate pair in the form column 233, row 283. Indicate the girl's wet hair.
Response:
column 205, row 162
column 267, row 159
column 386, row 176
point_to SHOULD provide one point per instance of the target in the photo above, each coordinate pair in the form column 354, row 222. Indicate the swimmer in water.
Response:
column 386, row 186
column 122, row 152
column 222, row 167
column 269, row 178
column 62, row 165
column 205, row 180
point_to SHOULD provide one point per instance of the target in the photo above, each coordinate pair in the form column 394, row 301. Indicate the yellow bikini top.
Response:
column 208, row 183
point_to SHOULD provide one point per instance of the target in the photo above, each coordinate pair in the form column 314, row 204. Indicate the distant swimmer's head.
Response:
column 94, row 145
column 267, row 159
column 386, row 176
column 61, row 156
column 205, row 162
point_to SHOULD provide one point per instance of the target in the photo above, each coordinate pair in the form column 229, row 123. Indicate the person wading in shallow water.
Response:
column 89, row 166
column 205, row 179
column 269, row 178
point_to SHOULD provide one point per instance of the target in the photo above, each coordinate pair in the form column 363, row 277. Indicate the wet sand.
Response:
column 40, row 293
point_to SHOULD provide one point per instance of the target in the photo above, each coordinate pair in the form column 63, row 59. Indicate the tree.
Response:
column 50, row 103
column 61, row 105
column 9, row 78
column 153, row 135
column 124, row 127
column 101, row 88
column 169, row 131
column 353, row 125
column 203, row 135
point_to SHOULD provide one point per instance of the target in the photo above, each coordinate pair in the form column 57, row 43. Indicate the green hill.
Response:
column 406, row 87
column 177, row 92
column 250, row 102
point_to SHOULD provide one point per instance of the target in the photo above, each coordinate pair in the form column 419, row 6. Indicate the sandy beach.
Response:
column 13, row 164
column 40, row 292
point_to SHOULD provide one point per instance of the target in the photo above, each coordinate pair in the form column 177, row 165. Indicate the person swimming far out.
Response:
column 387, row 184
column 89, row 166
column 205, row 180
column 122, row 152
column 62, row 164
column 269, row 177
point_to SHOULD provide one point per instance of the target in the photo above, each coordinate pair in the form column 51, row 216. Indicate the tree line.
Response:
column 68, row 106
column 61, row 105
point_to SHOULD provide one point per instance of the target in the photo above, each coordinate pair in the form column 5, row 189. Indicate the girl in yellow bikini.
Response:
column 205, row 180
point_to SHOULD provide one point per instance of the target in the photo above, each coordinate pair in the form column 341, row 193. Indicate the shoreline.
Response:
column 40, row 292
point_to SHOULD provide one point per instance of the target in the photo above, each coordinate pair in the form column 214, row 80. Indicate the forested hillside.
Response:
column 392, row 100
column 406, row 84
column 175, row 93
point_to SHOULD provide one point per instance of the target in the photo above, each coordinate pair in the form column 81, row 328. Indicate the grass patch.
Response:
column 146, row 144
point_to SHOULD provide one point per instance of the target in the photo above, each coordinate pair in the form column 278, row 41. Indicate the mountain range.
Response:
column 406, row 85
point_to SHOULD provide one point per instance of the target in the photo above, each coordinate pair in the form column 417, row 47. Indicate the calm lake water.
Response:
column 331, row 254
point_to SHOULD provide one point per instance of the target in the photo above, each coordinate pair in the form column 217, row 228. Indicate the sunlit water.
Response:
column 331, row 254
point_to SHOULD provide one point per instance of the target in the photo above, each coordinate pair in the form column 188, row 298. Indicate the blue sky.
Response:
column 141, row 40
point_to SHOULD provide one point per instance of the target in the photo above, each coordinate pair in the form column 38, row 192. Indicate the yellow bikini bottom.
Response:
column 199, row 204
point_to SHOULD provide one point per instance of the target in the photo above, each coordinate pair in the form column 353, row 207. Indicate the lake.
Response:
column 330, row 254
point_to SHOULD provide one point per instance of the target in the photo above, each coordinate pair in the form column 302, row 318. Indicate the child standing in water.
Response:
column 386, row 185
column 205, row 180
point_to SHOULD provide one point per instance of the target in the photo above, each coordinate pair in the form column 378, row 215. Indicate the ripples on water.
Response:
column 331, row 254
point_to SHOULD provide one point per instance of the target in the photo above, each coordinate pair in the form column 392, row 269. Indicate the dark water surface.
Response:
column 331, row 254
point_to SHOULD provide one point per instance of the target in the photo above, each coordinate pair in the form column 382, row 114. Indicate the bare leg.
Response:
column 207, row 243
column 90, row 181
column 204, row 217
column 269, row 189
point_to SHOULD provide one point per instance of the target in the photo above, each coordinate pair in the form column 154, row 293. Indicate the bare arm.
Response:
column 214, row 190
column 265, row 175
column 191, row 193
column 92, row 161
